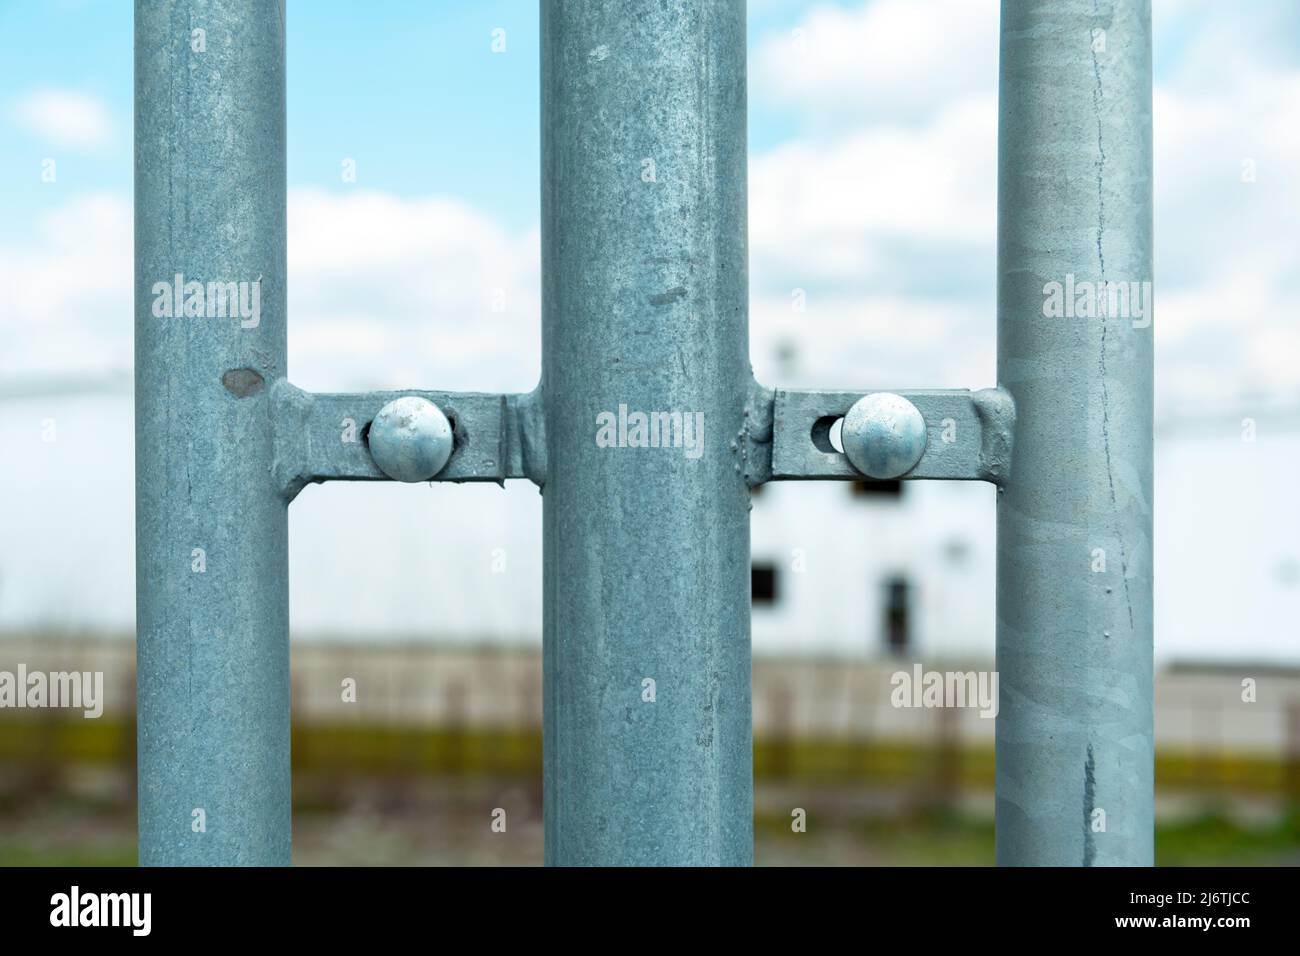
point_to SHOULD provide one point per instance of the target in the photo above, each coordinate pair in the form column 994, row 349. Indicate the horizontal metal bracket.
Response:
column 968, row 434
column 322, row 436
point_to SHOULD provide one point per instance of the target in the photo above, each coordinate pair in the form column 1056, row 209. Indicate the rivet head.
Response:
column 410, row 439
column 883, row 435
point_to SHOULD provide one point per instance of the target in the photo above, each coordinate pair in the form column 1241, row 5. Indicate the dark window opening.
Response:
column 898, row 612
column 891, row 488
column 762, row 582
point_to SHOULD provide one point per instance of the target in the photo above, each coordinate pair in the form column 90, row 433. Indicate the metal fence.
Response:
column 646, row 433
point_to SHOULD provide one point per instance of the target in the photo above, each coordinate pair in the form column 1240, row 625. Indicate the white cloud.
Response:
column 1227, row 264
column 873, row 340
column 832, row 211
column 68, row 290
column 65, row 117
column 896, row 59
column 884, row 210
column 383, row 292
column 390, row 292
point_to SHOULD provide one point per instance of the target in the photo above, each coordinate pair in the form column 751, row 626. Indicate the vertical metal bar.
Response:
column 1074, row 642
column 646, row 548
column 211, row 532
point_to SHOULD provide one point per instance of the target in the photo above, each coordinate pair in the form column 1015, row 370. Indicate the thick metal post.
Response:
column 1074, row 651
column 647, row 655
column 211, row 532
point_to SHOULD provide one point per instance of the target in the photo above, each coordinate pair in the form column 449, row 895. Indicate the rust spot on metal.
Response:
column 243, row 382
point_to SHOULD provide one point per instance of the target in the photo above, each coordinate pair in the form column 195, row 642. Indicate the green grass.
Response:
column 942, row 839
column 105, row 854
column 915, row 838
column 1213, row 839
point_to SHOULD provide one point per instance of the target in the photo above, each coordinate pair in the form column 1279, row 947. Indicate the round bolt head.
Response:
column 883, row 435
column 410, row 439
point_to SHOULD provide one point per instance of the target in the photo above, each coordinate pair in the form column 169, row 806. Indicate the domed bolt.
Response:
column 883, row 435
column 410, row 439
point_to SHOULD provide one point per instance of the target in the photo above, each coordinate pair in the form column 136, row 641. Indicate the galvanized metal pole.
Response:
column 1074, row 641
column 647, row 655
column 211, row 532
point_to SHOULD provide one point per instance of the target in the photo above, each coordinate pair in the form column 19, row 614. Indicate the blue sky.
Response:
column 410, row 89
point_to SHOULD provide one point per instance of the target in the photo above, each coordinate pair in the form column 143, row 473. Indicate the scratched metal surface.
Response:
column 647, row 550
column 213, row 645
column 1074, row 645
